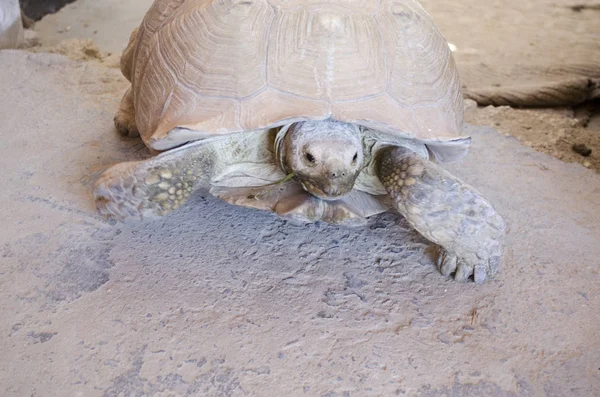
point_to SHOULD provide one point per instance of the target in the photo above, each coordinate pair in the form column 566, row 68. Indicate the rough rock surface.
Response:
column 217, row 300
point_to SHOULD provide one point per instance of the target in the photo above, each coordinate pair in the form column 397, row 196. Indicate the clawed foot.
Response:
column 125, row 126
column 125, row 117
column 446, row 211
column 480, row 270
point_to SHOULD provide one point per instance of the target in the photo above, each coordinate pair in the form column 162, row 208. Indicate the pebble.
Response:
column 581, row 149
column 587, row 164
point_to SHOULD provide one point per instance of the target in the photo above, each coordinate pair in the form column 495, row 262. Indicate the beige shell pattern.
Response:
column 200, row 68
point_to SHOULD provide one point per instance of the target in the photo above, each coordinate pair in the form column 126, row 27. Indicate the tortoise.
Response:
column 317, row 111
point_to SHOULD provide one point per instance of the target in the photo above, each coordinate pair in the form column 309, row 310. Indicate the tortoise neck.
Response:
column 279, row 149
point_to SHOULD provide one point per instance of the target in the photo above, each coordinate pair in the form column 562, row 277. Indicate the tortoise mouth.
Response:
column 327, row 193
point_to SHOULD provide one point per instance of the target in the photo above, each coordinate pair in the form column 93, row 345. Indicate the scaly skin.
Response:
column 446, row 211
column 154, row 187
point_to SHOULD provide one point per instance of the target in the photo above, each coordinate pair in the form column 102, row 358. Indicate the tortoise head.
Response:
column 324, row 156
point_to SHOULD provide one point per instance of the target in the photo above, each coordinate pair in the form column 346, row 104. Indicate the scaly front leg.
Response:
column 446, row 211
column 157, row 186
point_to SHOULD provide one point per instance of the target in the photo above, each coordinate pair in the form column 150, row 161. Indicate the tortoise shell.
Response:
column 200, row 68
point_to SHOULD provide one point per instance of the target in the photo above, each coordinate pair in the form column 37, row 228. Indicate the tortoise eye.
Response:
column 310, row 158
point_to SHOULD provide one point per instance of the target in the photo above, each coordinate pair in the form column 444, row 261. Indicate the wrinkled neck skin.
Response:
column 325, row 156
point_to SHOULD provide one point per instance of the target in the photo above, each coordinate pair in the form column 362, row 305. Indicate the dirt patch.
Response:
column 498, row 34
column 75, row 49
column 566, row 134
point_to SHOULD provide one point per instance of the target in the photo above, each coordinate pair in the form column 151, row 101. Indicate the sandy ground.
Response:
column 217, row 300
column 108, row 23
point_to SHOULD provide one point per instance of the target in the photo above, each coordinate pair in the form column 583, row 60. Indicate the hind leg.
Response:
column 125, row 117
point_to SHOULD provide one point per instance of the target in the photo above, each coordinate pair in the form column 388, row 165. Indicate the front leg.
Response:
column 446, row 211
column 154, row 187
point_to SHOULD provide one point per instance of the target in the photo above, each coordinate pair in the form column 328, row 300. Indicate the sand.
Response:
column 217, row 300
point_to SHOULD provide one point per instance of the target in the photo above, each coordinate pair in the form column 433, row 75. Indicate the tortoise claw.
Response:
column 450, row 265
column 446, row 262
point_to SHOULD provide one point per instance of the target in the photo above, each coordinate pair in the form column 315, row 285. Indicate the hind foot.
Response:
column 125, row 117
